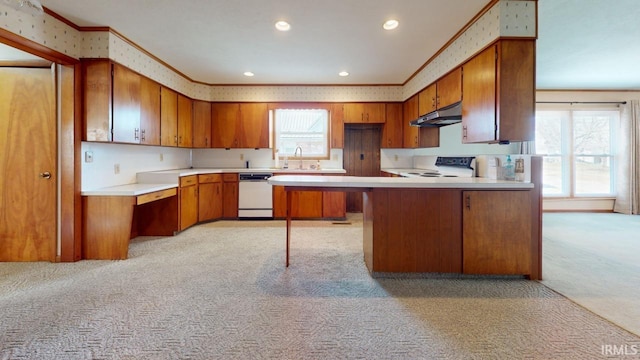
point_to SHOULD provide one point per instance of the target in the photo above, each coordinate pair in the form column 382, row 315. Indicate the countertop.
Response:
column 397, row 182
column 160, row 180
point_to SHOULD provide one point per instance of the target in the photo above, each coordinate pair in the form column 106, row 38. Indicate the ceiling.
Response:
column 581, row 45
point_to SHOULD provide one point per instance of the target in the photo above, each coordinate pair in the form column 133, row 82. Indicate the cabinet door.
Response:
column 449, row 89
column 374, row 113
column 126, row 105
column 254, row 125
column 96, row 77
column 185, row 121
column 279, row 202
column 334, row 204
column 306, row 204
column 337, row 126
column 230, row 200
column 201, row 124
column 496, row 232
column 427, row 100
column 225, row 125
column 392, row 129
column 353, row 113
column 479, row 105
column 168, row 117
column 188, row 206
column 410, row 112
column 209, row 201
column 149, row 112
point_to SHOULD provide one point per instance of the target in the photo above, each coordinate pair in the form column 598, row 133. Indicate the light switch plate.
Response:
column 88, row 156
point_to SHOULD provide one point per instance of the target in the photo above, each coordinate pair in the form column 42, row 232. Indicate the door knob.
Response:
column 45, row 175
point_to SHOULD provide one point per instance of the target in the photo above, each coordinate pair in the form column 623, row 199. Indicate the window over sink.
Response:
column 300, row 132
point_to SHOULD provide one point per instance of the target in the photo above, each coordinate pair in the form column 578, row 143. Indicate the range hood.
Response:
column 448, row 115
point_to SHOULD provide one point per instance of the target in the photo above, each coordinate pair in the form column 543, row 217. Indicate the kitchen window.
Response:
column 305, row 129
column 577, row 149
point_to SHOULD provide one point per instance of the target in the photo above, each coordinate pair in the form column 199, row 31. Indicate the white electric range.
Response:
column 453, row 166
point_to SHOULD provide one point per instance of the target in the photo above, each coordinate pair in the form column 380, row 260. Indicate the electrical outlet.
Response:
column 241, row 156
column 395, row 157
column 116, row 169
column 88, row 156
column 161, row 157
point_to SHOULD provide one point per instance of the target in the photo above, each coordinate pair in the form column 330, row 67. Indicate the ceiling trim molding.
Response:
column 32, row 47
column 60, row 18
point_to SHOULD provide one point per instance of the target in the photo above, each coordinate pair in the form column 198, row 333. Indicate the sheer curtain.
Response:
column 627, row 167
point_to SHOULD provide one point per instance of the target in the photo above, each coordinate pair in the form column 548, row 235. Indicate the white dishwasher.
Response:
column 255, row 196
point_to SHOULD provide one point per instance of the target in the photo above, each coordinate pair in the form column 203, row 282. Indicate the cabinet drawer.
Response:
column 188, row 180
column 230, row 177
column 156, row 195
column 209, row 178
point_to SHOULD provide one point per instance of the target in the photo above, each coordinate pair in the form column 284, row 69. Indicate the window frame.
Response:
column 272, row 107
column 568, row 156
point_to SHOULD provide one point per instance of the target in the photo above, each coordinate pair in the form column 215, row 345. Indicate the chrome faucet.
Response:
column 296, row 154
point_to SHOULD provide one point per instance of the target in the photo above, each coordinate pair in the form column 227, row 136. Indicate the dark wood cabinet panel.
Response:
column 209, row 197
column 230, row 196
column 427, row 101
column 185, row 121
column 225, row 125
column 337, row 126
column 392, row 131
column 201, row 124
column 364, row 113
column 97, row 86
column 410, row 133
column 168, row 117
column 188, row 193
column 254, row 125
column 449, row 89
column 496, row 228
column 149, row 112
column 499, row 94
column 126, row 105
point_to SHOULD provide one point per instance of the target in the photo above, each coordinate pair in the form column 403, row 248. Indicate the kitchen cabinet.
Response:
column 230, row 195
column 209, row 197
column 337, row 126
column 168, row 117
column 188, row 201
column 334, row 204
column 201, row 124
column 243, row 125
column 499, row 94
column 309, row 204
column 417, row 137
column 369, row 113
column 392, row 131
column 444, row 92
column 495, row 229
column 119, row 105
column 185, row 121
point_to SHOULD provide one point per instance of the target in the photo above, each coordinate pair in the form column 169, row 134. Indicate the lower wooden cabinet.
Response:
column 188, row 194
column 230, row 196
column 309, row 204
column 496, row 228
column 209, row 197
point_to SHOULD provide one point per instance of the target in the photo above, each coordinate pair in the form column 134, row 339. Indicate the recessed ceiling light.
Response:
column 283, row 25
column 343, row 73
column 248, row 73
column 390, row 24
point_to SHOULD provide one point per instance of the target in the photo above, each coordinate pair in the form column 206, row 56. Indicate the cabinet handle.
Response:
column 144, row 137
column 45, row 175
column 464, row 132
column 362, row 117
column 206, row 142
column 468, row 202
column 433, row 102
column 175, row 139
column 135, row 134
column 367, row 117
column 438, row 100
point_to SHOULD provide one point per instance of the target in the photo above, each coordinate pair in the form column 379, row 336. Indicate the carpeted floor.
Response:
column 221, row 291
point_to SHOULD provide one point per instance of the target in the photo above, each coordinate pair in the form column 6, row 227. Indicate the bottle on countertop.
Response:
column 519, row 169
column 286, row 163
column 509, row 170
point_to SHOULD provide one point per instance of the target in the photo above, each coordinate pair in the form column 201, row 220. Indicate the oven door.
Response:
column 255, row 197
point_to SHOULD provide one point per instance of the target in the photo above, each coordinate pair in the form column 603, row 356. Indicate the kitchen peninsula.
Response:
column 442, row 225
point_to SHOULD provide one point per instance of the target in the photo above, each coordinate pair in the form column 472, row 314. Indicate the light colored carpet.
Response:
column 594, row 259
column 221, row 291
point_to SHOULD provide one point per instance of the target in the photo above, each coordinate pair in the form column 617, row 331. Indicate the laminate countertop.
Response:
column 396, row 182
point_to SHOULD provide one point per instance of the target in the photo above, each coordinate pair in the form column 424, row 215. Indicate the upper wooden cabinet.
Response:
column 499, row 93
column 169, row 117
column 392, row 131
column 201, row 124
column 364, row 113
column 417, row 137
column 185, row 121
column 120, row 105
column 337, row 126
column 236, row 125
column 444, row 92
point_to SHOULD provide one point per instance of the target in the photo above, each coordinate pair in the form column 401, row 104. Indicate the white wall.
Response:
column 260, row 158
column 131, row 159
